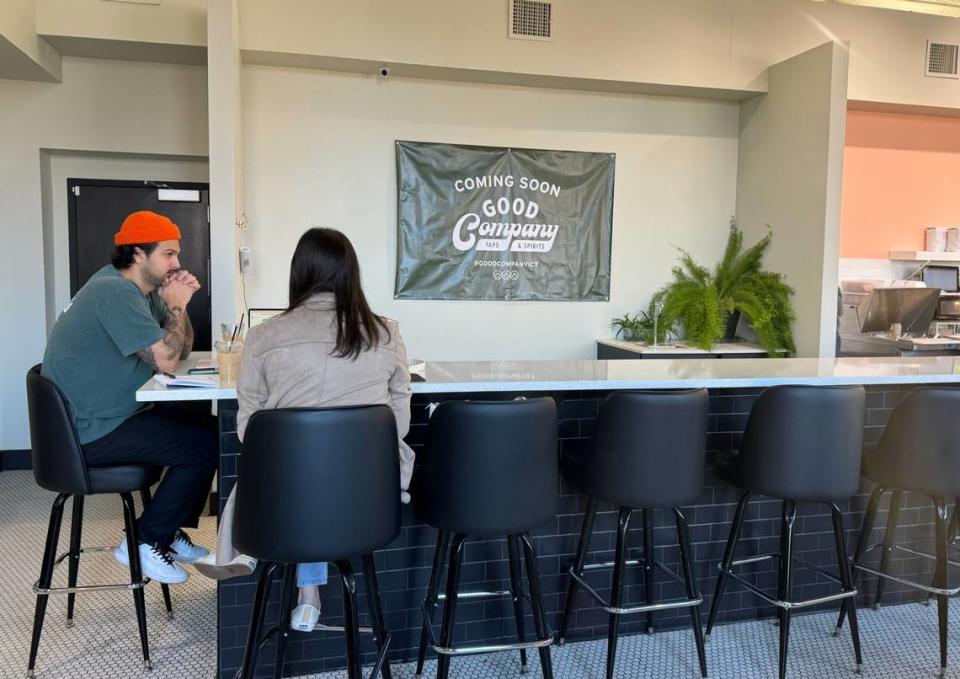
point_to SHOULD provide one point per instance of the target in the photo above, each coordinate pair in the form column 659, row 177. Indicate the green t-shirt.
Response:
column 92, row 351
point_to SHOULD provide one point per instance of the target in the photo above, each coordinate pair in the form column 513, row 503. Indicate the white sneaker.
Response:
column 241, row 565
column 183, row 550
column 154, row 563
column 304, row 618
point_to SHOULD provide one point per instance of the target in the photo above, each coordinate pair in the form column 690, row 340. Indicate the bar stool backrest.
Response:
column 318, row 484
column 804, row 442
column 921, row 443
column 490, row 467
column 58, row 463
column 649, row 448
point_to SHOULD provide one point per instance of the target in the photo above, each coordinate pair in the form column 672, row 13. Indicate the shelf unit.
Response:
column 924, row 256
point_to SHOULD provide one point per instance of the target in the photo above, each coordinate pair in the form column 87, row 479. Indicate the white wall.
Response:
column 712, row 43
column 22, row 55
column 318, row 150
column 169, row 22
column 101, row 106
column 64, row 166
column 700, row 43
column 791, row 158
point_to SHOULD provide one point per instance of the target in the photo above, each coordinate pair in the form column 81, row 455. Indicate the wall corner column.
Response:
column 226, row 160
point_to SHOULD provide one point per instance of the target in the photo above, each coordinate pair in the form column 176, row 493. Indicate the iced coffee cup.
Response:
column 228, row 360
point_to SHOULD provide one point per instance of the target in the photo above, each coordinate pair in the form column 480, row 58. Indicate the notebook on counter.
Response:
column 194, row 381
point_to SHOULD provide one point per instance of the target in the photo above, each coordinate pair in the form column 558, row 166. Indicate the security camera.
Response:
column 384, row 72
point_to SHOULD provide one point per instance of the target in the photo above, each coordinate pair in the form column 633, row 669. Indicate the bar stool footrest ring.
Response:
column 487, row 648
column 628, row 610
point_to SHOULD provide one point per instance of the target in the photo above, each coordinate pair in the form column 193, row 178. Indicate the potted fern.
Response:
column 703, row 301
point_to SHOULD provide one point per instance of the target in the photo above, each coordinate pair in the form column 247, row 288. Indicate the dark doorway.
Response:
column 98, row 207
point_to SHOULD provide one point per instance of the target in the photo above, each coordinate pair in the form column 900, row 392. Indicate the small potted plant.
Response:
column 640, row 327
column 703, row 302
column 628, row 327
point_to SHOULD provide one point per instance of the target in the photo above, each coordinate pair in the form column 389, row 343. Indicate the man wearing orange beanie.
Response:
column 126, row 323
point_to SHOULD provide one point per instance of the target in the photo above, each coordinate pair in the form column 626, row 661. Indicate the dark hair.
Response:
column 325, row 261
column 122, row 257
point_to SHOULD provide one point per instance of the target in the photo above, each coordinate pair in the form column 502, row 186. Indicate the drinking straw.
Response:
column 236, row 329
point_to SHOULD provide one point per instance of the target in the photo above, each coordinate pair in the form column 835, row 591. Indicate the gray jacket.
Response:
column 287, row 363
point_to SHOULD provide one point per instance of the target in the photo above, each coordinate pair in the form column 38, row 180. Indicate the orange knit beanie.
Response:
column 146, row 227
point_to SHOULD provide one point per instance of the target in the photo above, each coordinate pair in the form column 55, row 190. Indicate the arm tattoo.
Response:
column 175, row 327
column 187, row 337
column 146, row 355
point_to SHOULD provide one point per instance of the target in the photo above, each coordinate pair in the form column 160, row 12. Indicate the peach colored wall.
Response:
column 901, row 174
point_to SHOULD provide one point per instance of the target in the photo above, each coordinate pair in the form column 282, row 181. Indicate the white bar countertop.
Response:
column 680, row 348
column 526, row 376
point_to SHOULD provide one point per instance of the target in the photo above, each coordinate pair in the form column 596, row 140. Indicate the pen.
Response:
column 172, row 377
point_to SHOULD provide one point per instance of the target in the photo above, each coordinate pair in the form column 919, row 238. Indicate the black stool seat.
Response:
column 648, row 452
column 59, row 466
column 489, row 468
column 122, row 479
column 918, row 452
column 801, row 443
column 318, row 484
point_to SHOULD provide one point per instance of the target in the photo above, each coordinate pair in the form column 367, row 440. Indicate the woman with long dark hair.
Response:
column 327, row 349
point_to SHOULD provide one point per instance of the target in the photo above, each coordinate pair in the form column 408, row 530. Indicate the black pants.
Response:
column 186, row 443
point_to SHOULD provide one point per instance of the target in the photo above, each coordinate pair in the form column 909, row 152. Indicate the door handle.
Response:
column 208, row 276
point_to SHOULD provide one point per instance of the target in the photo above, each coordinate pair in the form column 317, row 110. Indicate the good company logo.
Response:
column 506, row 275
column 501, row 236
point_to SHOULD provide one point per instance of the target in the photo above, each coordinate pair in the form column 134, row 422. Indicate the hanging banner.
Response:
column 486, row 223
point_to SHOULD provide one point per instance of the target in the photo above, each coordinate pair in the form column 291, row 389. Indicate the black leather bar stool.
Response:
column 59, row 466
column 488, row 469
column 919, row 453
column 648, row 452
column 318, row 484
column 801, row 444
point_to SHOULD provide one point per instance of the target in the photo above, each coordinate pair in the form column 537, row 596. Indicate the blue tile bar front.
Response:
column 403, row 567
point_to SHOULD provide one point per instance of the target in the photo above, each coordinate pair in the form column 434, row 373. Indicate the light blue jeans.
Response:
column 310, row 574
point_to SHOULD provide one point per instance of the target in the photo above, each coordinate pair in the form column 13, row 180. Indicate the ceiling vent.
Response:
column 530, row 20
column 941, row 59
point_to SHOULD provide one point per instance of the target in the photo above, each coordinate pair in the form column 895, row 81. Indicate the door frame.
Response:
column 120, row 184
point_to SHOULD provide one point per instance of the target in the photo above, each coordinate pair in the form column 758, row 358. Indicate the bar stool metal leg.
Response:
column 450, row 606
column 683, row 536
column 516, row 588
column 585, row 534
column 862, row 541
column 889, row 535
column 846, row 580
column 616, row 592
column 951, row 537
column 46, row 576
column 786, row 578
column 725, row 565
column 73, row 565
column 252, row 648
column 536, row 599
column 940, row 577
column 146, row 499
column 283, row 624
column 648, row 559
column 433, row 588
column 351, row 622
column 381, row 635
column 136, row 574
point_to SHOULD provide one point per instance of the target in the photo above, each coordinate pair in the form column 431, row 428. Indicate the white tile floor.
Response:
column 899, row 642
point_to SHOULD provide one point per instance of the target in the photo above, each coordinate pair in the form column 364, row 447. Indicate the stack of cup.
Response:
column 936, row 239
column 953, row 239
